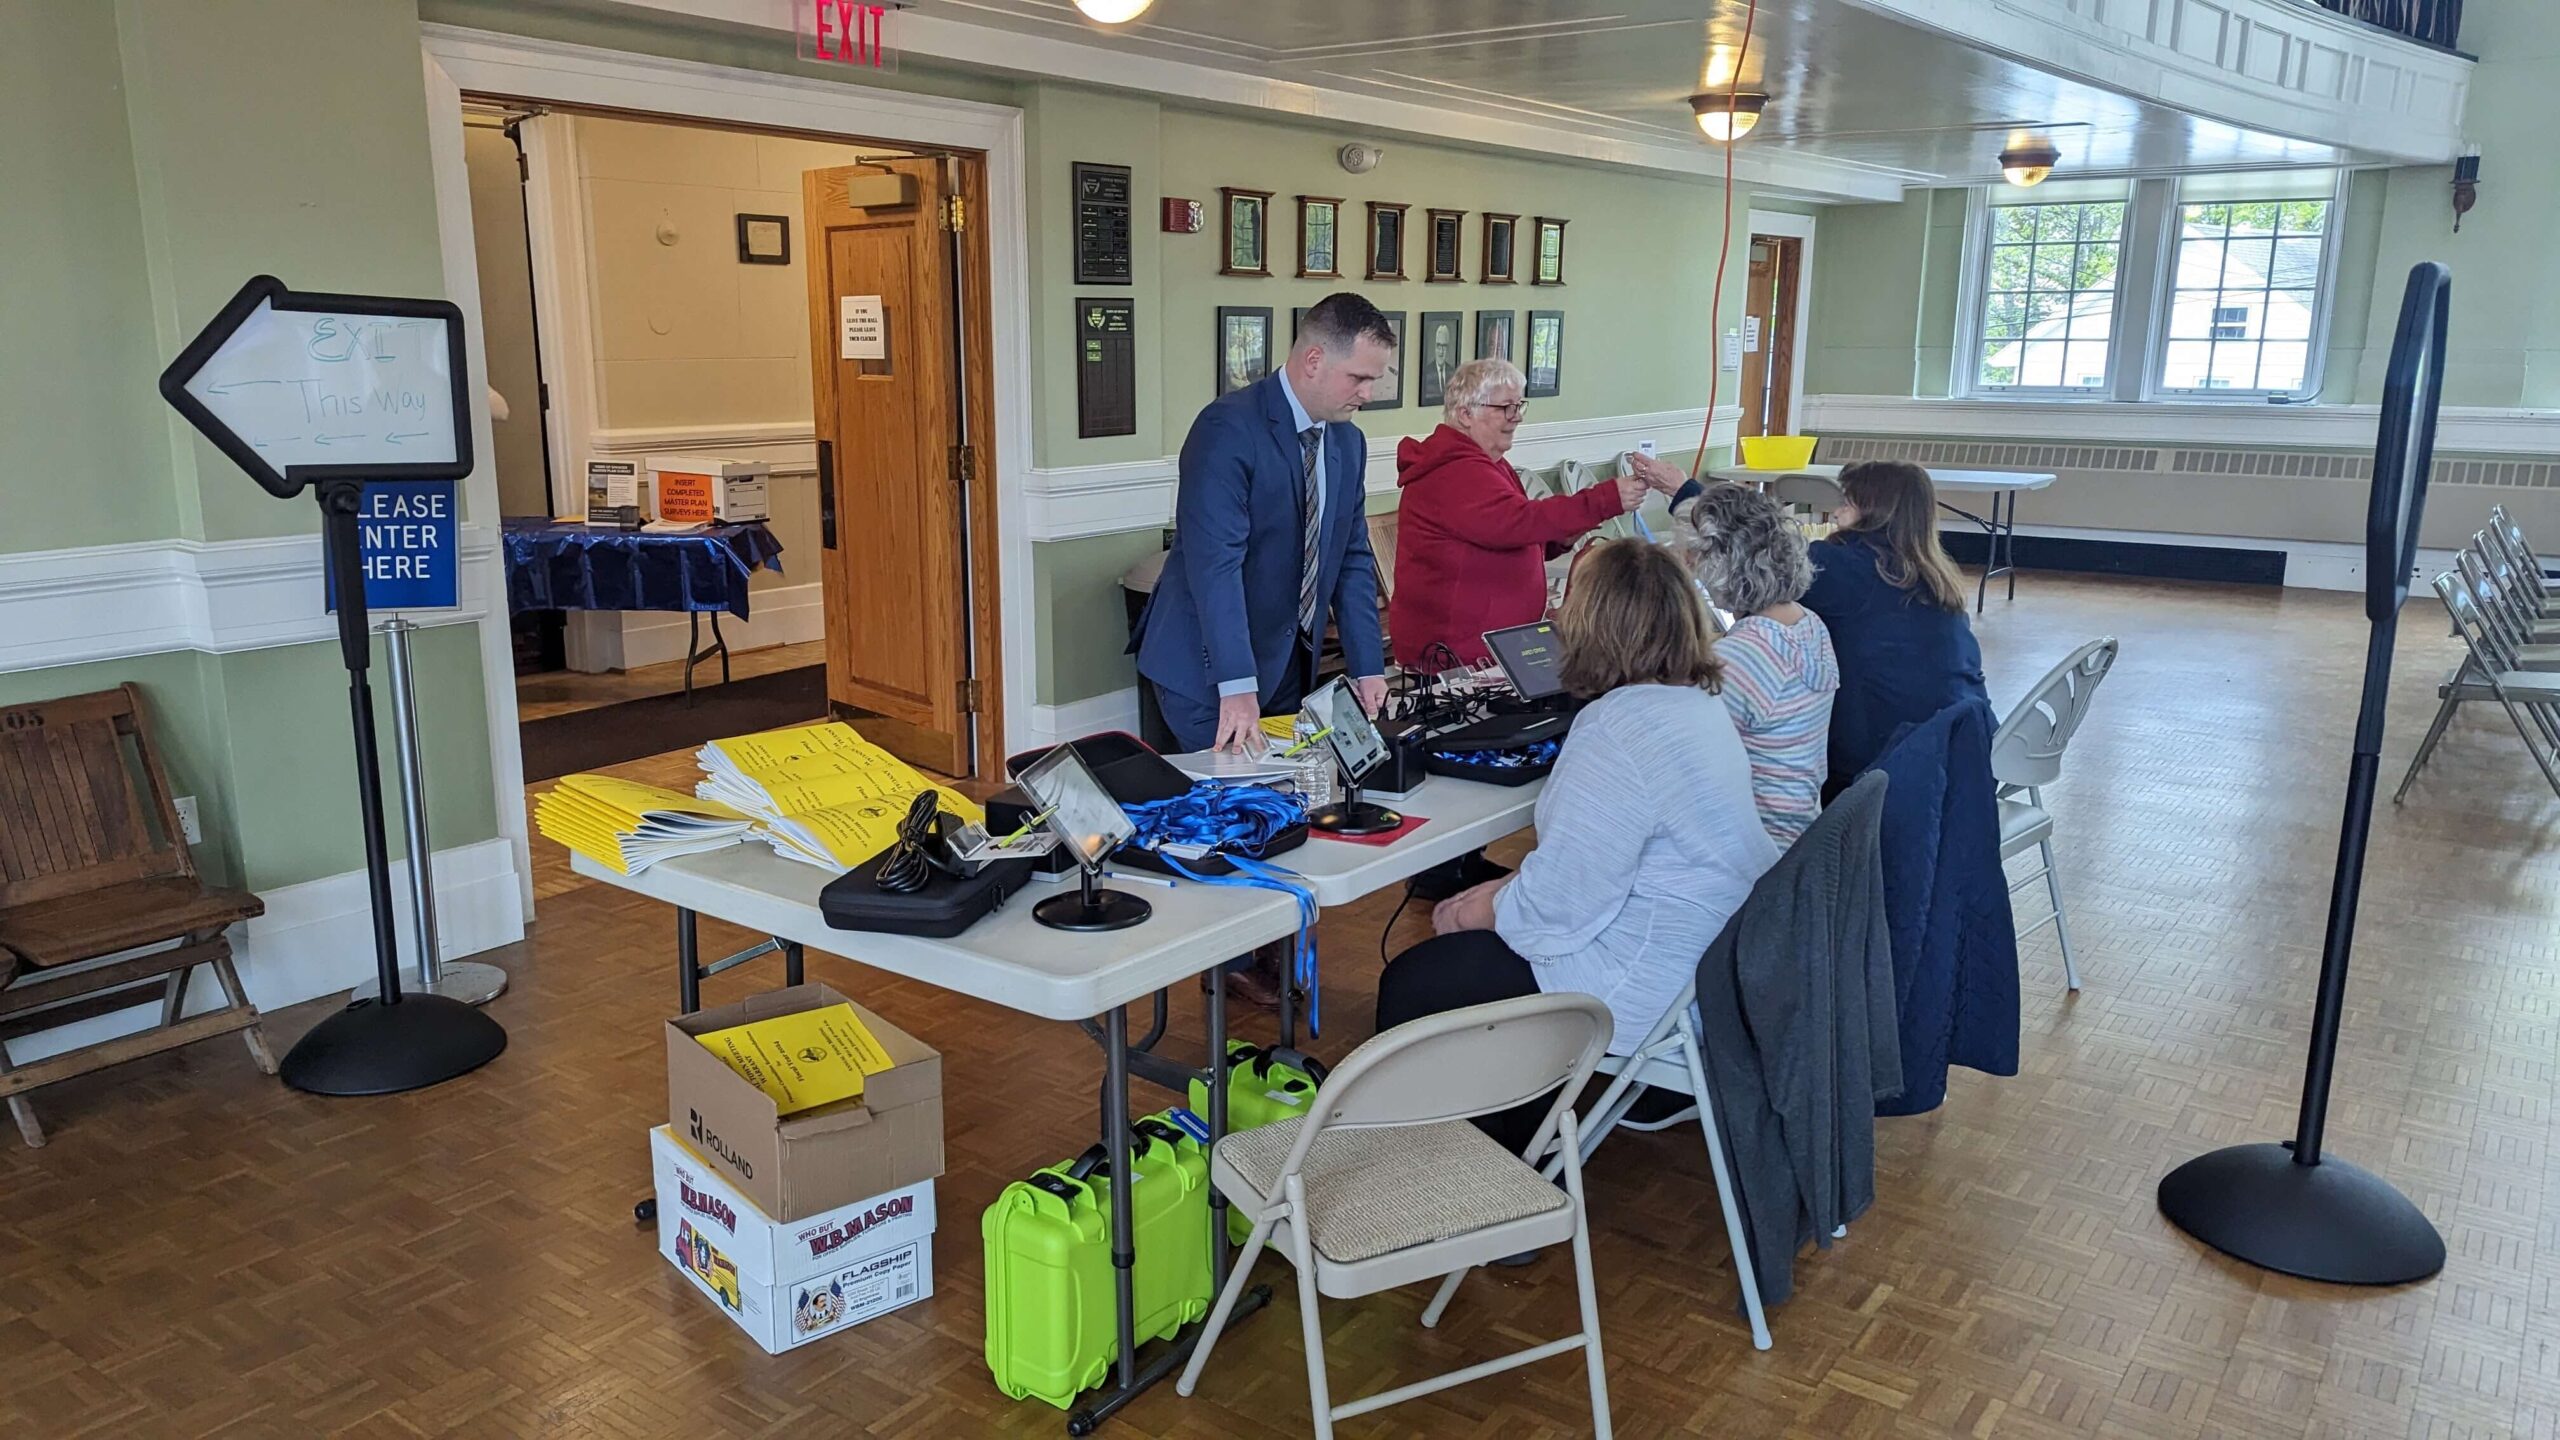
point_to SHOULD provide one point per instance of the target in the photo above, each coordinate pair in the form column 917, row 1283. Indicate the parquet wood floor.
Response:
column 201, row 1252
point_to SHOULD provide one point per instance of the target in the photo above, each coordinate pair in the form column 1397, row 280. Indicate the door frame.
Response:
column 542, row 71
column 1789, row 225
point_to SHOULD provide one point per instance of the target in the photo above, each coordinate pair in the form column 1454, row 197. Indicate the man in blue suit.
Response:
column 1271, row 541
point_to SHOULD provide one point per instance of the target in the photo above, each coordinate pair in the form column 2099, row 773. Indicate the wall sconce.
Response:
column 2466, row 185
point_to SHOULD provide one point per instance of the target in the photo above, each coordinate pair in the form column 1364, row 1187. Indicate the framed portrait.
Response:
column 1319, row 237
column 1248, row 247
column 764, row 239
column 1440, row 261
column 1493, row 336
column 1545, row 365
column 1550, row 252
column 1441, row 351
column 1244, row 346
column 1501, row 249
column 1386, row 240
column 1388, row 393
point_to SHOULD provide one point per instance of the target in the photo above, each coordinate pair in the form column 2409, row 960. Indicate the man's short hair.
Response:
column 1337, row 320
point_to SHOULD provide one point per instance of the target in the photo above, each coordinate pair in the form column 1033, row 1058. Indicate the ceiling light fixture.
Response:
column 1113, row 12
column 2025, row 165
column 1727, row 118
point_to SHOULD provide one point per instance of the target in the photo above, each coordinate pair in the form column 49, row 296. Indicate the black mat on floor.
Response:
column 634, row 729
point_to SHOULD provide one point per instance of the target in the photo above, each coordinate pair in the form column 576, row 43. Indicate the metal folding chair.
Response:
column 2026, row 756
column 2531, row 699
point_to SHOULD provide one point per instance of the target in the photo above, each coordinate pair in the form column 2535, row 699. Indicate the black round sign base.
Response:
column 1355, row 817
column 371, row 1048
column 2332, row 1221
column 1092, row 910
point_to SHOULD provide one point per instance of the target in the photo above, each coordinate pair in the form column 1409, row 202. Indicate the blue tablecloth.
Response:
column 565, row 565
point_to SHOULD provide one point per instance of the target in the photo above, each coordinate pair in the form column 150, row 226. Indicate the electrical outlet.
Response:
column 189, row 823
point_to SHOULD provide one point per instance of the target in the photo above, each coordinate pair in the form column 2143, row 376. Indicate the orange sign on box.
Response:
column 685, row 498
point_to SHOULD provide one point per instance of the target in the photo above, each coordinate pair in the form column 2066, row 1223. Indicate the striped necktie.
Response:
column 1310, row 526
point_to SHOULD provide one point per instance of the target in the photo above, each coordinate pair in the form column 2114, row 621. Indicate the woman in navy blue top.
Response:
column 1895, row 607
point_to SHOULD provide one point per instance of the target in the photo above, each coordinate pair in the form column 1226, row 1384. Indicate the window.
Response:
column 2049, row 296
column 2210, row 286
column 2245, row 292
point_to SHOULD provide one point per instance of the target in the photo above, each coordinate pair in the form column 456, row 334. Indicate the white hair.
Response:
column 1478, row 381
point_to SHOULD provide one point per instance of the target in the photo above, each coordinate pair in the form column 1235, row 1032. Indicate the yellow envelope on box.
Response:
column 802, row 1060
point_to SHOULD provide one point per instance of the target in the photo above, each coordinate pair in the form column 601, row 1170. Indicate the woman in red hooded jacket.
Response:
column 1471, row 546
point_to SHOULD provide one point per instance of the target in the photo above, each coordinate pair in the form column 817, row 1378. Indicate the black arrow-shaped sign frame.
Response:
column 290, row 481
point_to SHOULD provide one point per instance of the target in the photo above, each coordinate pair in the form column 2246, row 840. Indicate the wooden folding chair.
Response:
column 93, row 865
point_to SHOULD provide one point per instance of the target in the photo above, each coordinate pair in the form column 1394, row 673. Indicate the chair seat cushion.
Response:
column 80, row 927
column 2022, row 825
column 1374, row 1191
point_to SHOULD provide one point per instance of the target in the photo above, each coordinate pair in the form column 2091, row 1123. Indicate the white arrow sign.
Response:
column 303, row 387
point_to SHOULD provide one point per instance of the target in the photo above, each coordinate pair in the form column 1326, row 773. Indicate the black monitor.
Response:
column 1528, row 656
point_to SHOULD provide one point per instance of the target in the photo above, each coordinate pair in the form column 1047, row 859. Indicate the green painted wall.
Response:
column 83, row 460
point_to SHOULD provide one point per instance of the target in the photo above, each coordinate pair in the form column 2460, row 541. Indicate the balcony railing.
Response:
column 2431, row 22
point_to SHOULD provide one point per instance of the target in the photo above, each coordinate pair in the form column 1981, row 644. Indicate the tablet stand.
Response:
column 1352, row 815
column 1092, row 908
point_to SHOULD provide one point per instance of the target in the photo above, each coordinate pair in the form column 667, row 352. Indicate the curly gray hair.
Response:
column 1478, row 381
column 1747, row 549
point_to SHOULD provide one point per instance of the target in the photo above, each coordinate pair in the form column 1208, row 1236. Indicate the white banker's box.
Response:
column 789, row 1282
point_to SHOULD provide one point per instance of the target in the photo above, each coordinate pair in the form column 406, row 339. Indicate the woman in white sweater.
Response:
column 1648, row 839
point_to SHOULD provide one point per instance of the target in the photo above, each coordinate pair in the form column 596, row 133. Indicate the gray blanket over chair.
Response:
column 1795, row 998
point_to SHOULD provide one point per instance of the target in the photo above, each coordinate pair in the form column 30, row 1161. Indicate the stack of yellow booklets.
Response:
column 820, row 794
column 803, row 1060
column 627, row 826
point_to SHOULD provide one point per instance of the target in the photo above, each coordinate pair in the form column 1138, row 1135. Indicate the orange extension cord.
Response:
column 1724, row 251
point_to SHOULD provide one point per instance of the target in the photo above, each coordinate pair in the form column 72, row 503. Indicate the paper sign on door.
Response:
column 865, row 328
column 1751, row 334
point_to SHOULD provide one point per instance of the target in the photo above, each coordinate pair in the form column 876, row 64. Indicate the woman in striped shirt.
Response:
column 1779, row 672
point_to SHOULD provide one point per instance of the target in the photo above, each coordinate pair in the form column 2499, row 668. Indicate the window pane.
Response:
column 2045, row 312
column 2085, row 365
column 2199, row 264
column 2208, row 217
column 2011, row 224
column 2102, row 222
column 2000, row 363
column 2054, row 268
column 2245, row 262
column 2184, row 365
column 2306, row 217
column 2009, row 267
column 2255, row 217
column 2284, row 365
column 2297, row 264
column 2098, row 267
column 2093, row 318
column 2057, row 222
column 2235, row 366
column 2043, row 363
column 2288, row 314
column 2191, row 315
column 2005, row 317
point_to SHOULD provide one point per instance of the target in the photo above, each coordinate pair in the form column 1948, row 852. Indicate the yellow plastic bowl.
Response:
column 1778, row 452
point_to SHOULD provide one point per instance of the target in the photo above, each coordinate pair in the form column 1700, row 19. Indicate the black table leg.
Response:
column 2012, row 547
column 1217, row 1118
column 791, row 962
column 688, row 963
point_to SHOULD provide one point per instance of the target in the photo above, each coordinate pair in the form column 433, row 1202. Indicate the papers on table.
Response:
column 1230, row 769
column 627, row 826
column 820, row 794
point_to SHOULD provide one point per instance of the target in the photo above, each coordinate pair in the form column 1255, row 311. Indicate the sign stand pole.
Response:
column 392, row 1042
column 468, row 981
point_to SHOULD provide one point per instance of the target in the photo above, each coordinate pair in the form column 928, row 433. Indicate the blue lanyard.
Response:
column 1261, row 875
column 1235, row 819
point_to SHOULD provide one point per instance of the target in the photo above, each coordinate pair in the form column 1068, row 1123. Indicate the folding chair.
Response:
column 2506, row 602
column 2490, row 662
column 1386, row 1183
column 2511, row 535
column 1817, row 493
column 2026, row 756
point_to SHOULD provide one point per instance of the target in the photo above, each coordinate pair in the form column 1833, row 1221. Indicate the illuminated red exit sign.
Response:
column 846, row 32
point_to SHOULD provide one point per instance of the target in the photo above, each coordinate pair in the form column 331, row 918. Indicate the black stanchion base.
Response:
column 1102, row 910
column 1358, row 817
column 371, row 1048
column 2332, row 1221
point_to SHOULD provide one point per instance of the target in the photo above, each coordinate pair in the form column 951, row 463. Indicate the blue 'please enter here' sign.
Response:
column 409, row 534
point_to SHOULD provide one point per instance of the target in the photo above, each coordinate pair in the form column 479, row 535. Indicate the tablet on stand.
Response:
column 1090, row 825
column 1358, row 748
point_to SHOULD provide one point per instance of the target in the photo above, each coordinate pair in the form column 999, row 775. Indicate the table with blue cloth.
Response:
column 570, row 565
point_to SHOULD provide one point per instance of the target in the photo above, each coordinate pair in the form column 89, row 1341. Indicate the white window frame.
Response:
column 2145, row 293
column 1973, row 298
column 2164, row 297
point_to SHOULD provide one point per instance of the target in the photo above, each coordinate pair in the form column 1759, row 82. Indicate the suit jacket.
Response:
column 1226, row 606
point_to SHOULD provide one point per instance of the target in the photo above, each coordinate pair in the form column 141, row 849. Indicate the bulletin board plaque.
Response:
column 1106, row 367
column 1102, row 223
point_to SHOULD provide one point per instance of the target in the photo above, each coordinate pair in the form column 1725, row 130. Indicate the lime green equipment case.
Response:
column 1263, row 1086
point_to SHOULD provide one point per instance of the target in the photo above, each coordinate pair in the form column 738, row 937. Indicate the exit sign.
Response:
column 845, row 32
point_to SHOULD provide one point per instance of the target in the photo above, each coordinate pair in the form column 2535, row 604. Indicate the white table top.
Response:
column 1961, row 480
column 1005, row 959
column 1463, row 815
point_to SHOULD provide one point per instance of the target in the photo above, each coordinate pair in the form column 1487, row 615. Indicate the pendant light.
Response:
column 2027, row 165
column 1113, row 12
column 1727, row 118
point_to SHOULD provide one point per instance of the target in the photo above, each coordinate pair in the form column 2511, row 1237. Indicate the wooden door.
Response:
column 1769, row 336
column 895, row 456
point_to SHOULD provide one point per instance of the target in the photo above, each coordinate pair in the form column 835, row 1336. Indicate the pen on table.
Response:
column 1303, row 744
column 1027, row 826
column 1135, row 879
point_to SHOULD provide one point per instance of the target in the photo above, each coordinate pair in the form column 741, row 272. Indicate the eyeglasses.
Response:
column 1515, row 409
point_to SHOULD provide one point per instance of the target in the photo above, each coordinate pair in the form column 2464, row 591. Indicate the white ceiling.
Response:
column 1852, row 89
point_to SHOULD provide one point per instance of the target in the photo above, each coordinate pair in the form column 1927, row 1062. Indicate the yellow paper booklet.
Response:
column 803, row 1060
column 627, row 826
column 819, row 793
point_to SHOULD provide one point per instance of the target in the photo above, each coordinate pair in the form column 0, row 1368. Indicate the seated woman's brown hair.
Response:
column 1631, row 617
column 1898, row 509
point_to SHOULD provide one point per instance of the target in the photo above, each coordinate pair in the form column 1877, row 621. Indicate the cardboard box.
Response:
column 787, row 1283
column 796, row 1166
column 698, row 489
